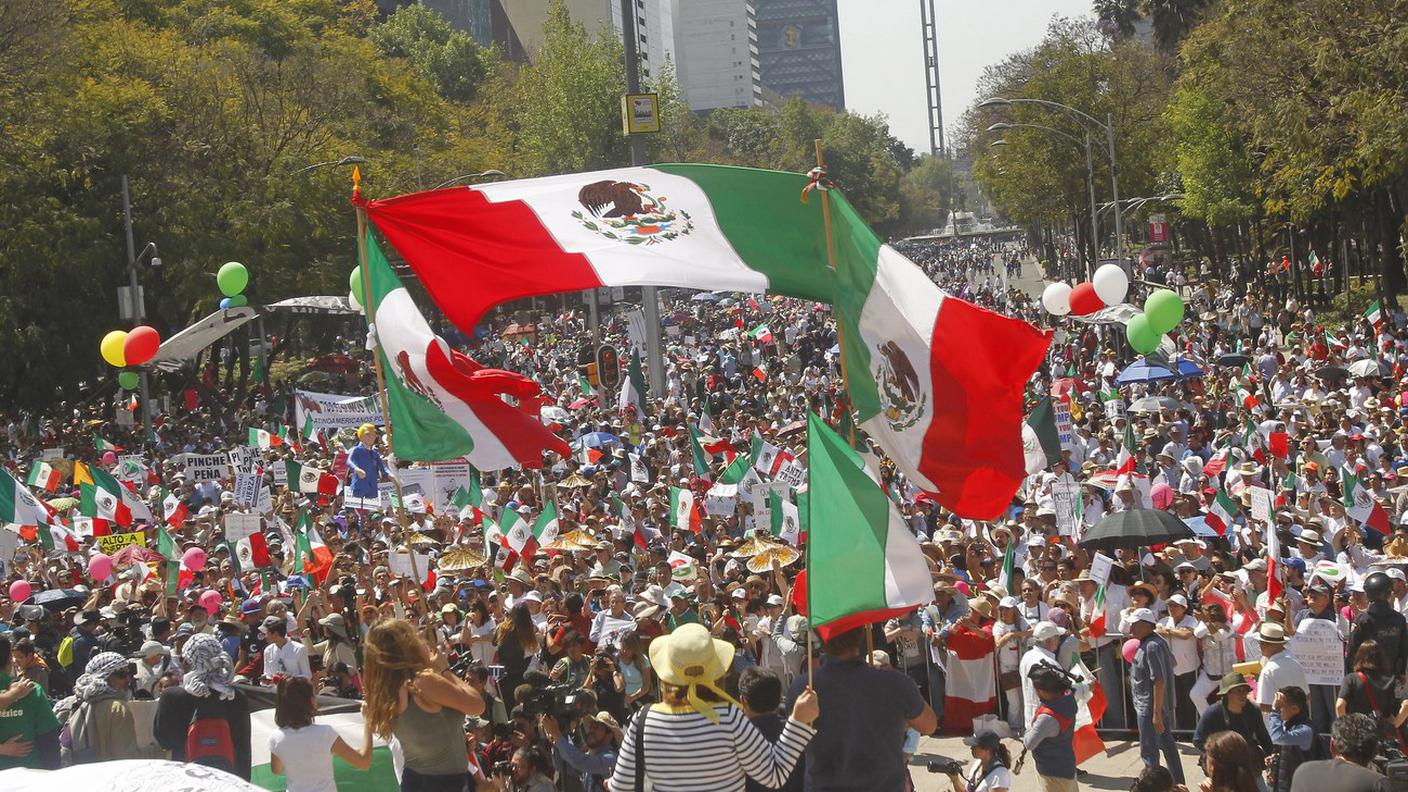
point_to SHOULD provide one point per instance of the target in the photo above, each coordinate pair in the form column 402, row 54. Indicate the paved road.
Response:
column 1115, row 770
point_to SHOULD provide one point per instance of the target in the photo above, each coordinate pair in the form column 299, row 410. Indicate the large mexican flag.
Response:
column 935, row 381
column 345, row 716
column 444, row 405
column 863, row 564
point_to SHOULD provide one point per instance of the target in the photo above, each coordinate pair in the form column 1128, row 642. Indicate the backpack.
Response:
column 65, row 654
column 208, row 740
column 77, row 743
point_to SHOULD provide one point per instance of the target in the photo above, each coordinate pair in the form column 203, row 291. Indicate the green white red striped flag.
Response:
column 18, row 505
column 1223, row 511
column 100, row 445
column 45, row 476
column 632, row 399
column 258, row 438
column 863, row 564
column 685, row 513
column 935, row 381
column 1360, row 504
column 1374, row 314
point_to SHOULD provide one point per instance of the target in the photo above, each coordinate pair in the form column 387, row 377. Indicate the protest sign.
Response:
column 419, row 481
column 721, row 500
column 1062, row 410
column 334, row 410
column 246, row 489
column 51, row 454
column 113, row 542
column 399, row 562
column 206, row 467
column 1319, row 649
column 238, row 525
column 244, row 459
column 1064, row 493
column 447, row 479
column 280, row 472
column 793, row 473
column 1261, row 505
column 1100, row 567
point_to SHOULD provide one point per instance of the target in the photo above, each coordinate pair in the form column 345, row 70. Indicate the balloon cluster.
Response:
column 123, row 348
column 354, row 283
column 1162, row 312
column 1107, row 287
column 232, row 278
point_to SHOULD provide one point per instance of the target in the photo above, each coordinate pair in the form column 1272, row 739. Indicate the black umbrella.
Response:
column 1136, row 528
column 1331, row 373
column 59, row 599
column 1233, row 359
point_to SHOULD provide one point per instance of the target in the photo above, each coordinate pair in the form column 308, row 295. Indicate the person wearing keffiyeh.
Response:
column 207, row 685
column 100, row 726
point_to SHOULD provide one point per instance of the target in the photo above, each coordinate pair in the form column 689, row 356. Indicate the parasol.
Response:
column 754, row 545
column 1365, row 368
column 459, row 559
column 567, row 544
column 1136, row 528
column 762, row 562
column 63, row 504
column 420, row 540
column 135, row 554
column 1152, row 404
column 574, row 480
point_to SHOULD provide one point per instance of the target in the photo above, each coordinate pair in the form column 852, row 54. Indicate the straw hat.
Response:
column 691, row 657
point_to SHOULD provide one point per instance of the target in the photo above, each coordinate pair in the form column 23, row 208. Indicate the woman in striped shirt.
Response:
column 698, row 738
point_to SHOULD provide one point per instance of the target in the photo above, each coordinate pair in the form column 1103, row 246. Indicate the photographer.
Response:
column 527, row 771
column 989, row 772
column 606, row 681
column 600, row 736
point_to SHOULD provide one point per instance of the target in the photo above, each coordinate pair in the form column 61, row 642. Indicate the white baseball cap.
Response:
column 1144, row 615
column 1178, row 599
column 1045, row 631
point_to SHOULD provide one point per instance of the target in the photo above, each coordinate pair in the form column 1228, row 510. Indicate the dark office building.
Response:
column 799, row 49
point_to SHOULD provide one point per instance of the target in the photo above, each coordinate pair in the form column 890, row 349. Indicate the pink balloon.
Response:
column 211, row 600
column 20, row 591
column 1130, row 649
column 99, row 567
column 1162, row 496
column 194, row 560
column 109, row 458
column 962, row 587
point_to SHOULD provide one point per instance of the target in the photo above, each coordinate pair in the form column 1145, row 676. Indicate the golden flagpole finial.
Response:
column 356, row 181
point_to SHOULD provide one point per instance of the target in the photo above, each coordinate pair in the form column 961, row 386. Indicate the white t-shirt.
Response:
column 307, row 757
column 997, row 778
column 1185, row 650
column 1277, row 672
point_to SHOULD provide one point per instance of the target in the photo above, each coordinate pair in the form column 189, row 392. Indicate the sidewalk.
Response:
column 1116, row 770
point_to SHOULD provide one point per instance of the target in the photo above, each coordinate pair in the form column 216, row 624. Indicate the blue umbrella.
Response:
column 598, row 440
column 1188, row 368
column 1142, row 370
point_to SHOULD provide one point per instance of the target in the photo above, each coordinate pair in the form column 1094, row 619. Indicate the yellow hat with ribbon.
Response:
column 691, row 658
column 364, row 430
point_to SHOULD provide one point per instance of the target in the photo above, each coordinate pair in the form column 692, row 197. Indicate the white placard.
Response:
column 721, row 500
column 246, row 490
column 1261, row 506
column 419, row 481
column 280, row 471
column 51, row 454
column 1064, row 493
column 399, row 563
column 238, row 525
column 1100, row 567
column 1319, row 648
column 447, row 478
column 207, row 467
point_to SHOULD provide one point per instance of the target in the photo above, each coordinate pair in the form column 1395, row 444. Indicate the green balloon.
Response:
column 354, row 282
column 1164, row 309
column 239, row 301
column 1141, row 336
column 127, row 379
column 232, row 278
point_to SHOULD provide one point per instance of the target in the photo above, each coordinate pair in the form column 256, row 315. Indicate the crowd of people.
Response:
column 643, row 641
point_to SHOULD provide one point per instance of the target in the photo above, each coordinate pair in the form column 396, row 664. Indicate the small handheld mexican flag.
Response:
column 1374, row 314
column 100, row 445
column 701, row 462
column 684, row 511
column 1223, row 511
column 1097, row 613
column 45, row 476
column 17, row 505
column 1360, row 505
column 762, row 334
column 258, row 438
column 584, row 386
column 1009, row 565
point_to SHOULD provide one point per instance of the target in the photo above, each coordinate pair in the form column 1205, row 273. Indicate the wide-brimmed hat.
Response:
column 690, row 657
column 335, row 622
column 1271, row 633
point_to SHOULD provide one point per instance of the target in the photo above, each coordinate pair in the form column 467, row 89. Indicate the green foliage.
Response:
column 448, row 58
column 1216, row 174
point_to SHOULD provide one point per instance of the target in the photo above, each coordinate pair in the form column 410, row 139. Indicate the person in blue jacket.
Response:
column 364, row 465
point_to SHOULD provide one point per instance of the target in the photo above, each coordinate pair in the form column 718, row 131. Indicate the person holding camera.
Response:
column 989, row 771
column 595, row 761
column 607, row 683
column 527, row 771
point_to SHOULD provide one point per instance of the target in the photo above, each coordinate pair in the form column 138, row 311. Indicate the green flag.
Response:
column 863, row 563
column 701, row 460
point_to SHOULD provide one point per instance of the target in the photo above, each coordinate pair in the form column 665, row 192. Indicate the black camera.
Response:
column 944, row 766
column 501, row 769
column 563, row 702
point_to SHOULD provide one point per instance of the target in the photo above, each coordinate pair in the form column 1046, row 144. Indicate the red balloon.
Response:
column 1084, row 301
column 141, row 344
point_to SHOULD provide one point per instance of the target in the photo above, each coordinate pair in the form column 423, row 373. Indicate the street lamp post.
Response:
column 134, row 290
column 1108, row 126
column 1089, row 181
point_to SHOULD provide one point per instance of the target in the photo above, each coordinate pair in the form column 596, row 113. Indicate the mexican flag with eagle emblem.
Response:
column 443, row 404
column 935, row 381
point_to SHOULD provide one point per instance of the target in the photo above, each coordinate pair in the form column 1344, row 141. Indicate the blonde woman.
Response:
column 411, row 694
column 698, row 738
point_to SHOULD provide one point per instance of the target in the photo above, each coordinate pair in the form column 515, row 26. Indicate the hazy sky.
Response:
column 882, row 53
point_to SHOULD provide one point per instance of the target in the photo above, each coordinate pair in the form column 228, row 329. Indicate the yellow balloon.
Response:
column 111, row 347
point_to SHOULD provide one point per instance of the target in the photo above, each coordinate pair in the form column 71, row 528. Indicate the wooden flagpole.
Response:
column 370, row 308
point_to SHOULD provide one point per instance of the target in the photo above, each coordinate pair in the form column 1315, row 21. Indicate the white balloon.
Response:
column 1057, row 299
column 352, row 298
column 1111, row 284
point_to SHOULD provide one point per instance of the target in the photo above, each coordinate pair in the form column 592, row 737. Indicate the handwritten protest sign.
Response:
column 1319, row 649
column 113, row 542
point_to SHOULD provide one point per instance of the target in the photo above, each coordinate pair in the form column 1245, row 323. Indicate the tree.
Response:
column 926, row 191
column 451, row 60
